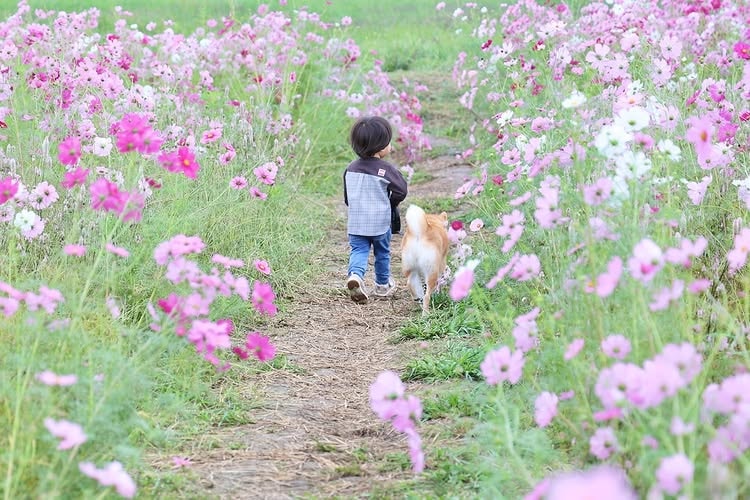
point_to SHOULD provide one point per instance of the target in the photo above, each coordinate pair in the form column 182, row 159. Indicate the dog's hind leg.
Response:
column 432, row 281
column 415, row 284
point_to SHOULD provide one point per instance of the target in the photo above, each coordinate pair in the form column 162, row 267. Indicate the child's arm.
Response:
column 397, row 187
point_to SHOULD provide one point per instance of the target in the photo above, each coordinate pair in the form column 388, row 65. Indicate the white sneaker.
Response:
column 385, row 290
column 356, row 288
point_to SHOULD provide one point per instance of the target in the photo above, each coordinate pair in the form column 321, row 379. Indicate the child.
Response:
column 373, row 188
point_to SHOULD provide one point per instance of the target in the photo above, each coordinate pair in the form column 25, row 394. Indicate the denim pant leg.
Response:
column 360, row 251
column 381, row 246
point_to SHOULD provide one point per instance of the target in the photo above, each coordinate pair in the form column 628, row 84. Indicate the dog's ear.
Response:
column 444, row 219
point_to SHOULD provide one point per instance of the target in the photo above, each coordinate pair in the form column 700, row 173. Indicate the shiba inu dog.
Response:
column 424, row 250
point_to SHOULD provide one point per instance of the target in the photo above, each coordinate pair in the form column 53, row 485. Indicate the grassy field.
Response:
column 535, row 127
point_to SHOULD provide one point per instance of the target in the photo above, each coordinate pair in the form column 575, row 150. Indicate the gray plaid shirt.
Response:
column 371, row 187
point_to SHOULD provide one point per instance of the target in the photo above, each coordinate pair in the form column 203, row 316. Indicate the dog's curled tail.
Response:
column 416, row 220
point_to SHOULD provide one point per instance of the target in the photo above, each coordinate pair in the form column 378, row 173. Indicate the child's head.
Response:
column 370, row 135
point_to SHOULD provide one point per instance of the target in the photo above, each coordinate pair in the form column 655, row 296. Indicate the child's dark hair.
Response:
column 369, row 135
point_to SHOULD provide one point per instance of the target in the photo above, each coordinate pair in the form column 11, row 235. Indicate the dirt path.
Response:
column 316, row 436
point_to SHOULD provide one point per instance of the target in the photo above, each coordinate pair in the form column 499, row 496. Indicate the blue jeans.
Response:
column 360, row 251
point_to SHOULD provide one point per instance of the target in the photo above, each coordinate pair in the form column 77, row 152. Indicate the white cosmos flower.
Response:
column 632, row 165
column 576, row 99
column 670, row 149
column 633, row 118
column 25, row 220
column 612, row 140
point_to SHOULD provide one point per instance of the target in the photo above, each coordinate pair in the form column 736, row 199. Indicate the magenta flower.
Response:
column 71, row 434
column 69, row 151
column 8, row 189
column 616, row 346
column 50, row 378
column 257, row 193
column 188, row 164
column 260, row 346
column 74, row 250
column 415, row 450
column 74, row 177
column 179, row 462
column 462, row 283
column 606, row 282
column 526, row 268
column 646, row 261
column 238, row 182
column 263, row 298
column 573, row 349
column 603, row 443
column 600, row 482
column 598, row 192
column 500, row 365
column 112, row 474
column 119, row 251
column 545, row 408
column 262, row 266
column 674, row 473
column 700, row 134
column 742, row 50
column 386, row 389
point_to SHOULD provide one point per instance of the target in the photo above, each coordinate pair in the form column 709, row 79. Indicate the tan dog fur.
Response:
column 424, row 250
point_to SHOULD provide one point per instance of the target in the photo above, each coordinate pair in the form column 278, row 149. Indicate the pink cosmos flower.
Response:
column 462, row 282
column 226, row 261
column 674, row 473
column 8, row 189
column 71, row 434
column 527, row 267
column 74, row 250
column 415, row 450
column 742, row 50
column 699, row 286
column 260, row 346
column 50, row 378
column 545, row 408
column 598, row 192
column 678, row 427
column 119, row 251
column 179, row 462
column 263, row 297
column 603, row 443
column 262, row 266
column 112, row 474
column 616, row 347
column 606, row 282
column 43, row 196
column 188, row 164
column 238, row 182
column 476, row 225
column 69, row 151
column 608, row 414
column 257, row 193
column 646, row 261
column 210, row 136
column 520, row 200
column 573, row 349
column 599, row 482
column 700, row 134
column 737, row 256
column 386, row 388
column 502, row 272
column 665, row 296
column 74, row 177
column 500, row 365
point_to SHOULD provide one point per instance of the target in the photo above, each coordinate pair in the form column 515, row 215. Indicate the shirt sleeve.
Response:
column 397, row 185
column 346, row 199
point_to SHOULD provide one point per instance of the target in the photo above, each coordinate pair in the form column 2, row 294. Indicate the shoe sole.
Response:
column 355, row 292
